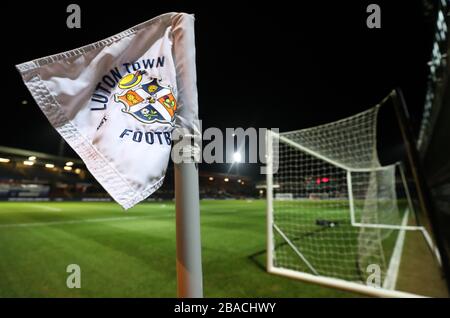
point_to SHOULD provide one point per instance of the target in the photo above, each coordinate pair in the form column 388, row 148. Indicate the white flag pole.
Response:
column 189, row 263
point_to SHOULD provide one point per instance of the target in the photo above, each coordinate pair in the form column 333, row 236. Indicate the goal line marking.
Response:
column 394, row 265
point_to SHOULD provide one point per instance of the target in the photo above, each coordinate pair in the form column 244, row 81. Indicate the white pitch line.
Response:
column 45, row 207
column 34, row 224
column 396, row 257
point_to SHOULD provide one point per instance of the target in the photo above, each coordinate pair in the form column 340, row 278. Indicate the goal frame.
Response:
column 317, row 278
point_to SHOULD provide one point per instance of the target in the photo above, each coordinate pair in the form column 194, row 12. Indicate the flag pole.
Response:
column 189, row 258
column 189, row 264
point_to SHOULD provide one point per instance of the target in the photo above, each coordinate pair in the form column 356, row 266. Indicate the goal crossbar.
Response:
column 319, row 156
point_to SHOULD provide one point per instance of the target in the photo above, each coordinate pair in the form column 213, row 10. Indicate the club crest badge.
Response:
column 148, row 101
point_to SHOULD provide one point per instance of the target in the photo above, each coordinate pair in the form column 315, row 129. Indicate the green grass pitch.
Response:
column 132, row 254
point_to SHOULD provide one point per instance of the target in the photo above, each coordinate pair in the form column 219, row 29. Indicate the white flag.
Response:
column 117, row 101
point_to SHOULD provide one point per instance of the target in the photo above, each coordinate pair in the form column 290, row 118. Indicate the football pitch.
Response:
column 132, row 254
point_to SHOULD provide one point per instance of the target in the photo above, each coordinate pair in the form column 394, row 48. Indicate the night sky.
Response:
column 259, row 65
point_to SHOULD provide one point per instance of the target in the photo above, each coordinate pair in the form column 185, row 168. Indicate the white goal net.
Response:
column 343, row 220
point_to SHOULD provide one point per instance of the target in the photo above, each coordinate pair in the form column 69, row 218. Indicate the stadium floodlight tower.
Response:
column 335, row 216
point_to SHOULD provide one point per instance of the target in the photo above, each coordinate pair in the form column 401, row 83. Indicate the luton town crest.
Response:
column 148, row 102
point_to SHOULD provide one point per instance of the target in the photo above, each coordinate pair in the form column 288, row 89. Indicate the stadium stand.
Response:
column 26, row 175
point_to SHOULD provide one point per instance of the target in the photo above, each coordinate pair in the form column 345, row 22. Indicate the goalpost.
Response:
column 335, row 217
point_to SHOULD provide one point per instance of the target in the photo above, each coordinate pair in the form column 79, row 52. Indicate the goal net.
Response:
column 343, row 223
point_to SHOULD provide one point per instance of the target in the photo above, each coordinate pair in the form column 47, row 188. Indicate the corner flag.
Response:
column 117, row 101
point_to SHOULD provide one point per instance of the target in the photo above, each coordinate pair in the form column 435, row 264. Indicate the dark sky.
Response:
column 319, row 54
